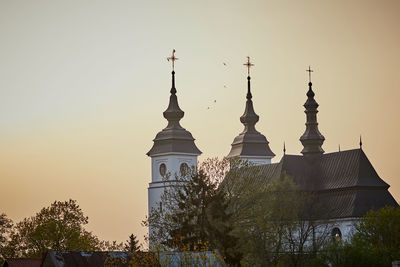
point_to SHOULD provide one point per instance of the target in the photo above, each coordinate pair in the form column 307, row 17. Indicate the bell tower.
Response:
column 173, row 151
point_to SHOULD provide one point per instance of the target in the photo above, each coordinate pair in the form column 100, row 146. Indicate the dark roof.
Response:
column 18, row 262
column 250, row 144
column 346, row 184
column 174, row 141
column 336, row 170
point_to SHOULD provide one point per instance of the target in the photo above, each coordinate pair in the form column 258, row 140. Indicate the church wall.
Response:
column 346, row 226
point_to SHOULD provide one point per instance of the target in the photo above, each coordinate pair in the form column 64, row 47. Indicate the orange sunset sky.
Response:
column 83, row 85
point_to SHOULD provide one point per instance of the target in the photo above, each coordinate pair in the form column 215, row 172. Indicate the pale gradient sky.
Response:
column 83, row 85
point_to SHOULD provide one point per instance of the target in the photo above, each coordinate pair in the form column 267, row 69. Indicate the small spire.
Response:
column 339, row 147
column 249, row 118
column 173, row 113
column 312, row 139
column 360, row 142
column 284, row 148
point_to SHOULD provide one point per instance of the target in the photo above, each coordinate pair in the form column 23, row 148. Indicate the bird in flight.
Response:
column 224, row 63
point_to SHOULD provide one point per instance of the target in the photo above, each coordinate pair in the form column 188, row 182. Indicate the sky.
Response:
column 83, row 85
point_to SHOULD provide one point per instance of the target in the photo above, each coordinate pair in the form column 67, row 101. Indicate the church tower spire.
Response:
column 173, row 138
column 312, row 139
column 251, row 145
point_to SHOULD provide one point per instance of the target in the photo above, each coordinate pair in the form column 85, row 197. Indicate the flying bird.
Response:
column 224, row 63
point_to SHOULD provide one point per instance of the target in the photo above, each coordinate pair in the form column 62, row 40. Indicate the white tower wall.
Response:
column 173, row 164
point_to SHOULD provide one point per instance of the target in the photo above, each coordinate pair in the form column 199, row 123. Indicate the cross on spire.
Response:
column 248, row 64
column 173, row 59
column 309, row 73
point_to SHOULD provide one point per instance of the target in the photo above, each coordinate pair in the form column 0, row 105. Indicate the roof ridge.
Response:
column 343, row 151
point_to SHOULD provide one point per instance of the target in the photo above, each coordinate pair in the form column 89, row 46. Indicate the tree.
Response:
column 380, row 230
column 5, row 229
column 132, row 244
column 58, row 227
column 193, row 216
column 248, row 219
column 376, row 242
column 276, row 222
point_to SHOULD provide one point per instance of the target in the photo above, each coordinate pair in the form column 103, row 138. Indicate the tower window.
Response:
column 163, row 169
column 184, row 169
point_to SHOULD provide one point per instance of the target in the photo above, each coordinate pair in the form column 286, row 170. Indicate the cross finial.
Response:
column 309, row 73
column 248, row 64
column 173, row 59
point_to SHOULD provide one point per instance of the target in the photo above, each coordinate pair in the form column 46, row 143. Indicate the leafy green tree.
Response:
column 380, row 230
column 58, row 227
column 375, row 242
column 276, row 223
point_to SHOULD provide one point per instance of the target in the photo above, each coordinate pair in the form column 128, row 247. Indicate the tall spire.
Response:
column 173, row 138
column 251, row 144
column 312, row 139
column 173, row 113
column 284, row 148
column 360, row 142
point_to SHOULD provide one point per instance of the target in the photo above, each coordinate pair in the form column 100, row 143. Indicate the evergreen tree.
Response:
column 194, row 217
column 132, row 244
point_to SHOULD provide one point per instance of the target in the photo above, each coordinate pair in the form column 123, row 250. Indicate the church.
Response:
column 345, row 182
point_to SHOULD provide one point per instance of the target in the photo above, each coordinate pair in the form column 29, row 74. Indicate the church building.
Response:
column 345, row 182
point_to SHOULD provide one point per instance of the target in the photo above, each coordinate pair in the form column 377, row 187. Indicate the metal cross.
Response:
column 309, row 73
column 173, row 59
column 248, row 64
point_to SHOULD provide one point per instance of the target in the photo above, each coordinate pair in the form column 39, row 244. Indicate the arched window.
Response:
column 184, row 169
column 336, row 234
column 163, row 169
